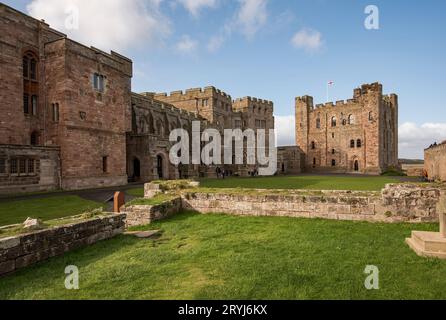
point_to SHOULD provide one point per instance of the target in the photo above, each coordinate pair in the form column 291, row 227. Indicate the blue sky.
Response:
column 245, row 48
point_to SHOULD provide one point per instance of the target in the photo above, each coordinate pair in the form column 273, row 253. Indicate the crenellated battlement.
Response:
column 194, row 93
column 138, row 99
column 365, row 89
column 254, row 100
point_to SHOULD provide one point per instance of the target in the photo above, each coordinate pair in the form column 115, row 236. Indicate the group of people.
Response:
column 223, row 173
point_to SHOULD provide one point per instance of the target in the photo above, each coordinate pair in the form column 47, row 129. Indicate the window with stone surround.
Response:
column 30, row 83
column 352, row 143
column 31, row 166
column 359, row 143
column 351, row 119
column 99, row 82
column 2, row 166
column 13, row 166
column 370, row 116
column 34, row 105
column 313, row 145
column 318, row 123
column 26, row 103
column 30, row 71
column 333, row 121
column 22, row 166
column 55, row 112
column 105, row 164
column 333, row 163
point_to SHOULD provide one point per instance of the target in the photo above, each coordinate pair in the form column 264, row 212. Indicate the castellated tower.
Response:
column 359, row 135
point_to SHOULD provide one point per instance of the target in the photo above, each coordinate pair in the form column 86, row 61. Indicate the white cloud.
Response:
column 195, row 6
column 308, row 39
column 186, row 44
column 285, row 130
column 413, row 139
column 116, row 25
column 250, row 17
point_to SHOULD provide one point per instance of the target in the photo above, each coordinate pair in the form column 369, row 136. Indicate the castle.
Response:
column 69, row 119
column 359, row 135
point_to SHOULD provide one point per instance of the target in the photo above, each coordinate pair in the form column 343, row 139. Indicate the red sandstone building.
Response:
column 70, row 121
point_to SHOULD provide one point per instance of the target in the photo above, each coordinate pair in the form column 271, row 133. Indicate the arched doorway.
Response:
column 136, row 169
column 160, row 166
column 356, row 166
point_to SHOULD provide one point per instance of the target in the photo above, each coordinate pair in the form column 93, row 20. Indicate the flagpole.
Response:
column 327, row 92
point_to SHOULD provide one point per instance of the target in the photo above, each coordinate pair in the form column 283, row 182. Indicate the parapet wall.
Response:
column 23, row 250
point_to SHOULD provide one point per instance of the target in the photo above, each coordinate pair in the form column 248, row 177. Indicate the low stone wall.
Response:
column 412, row 201
column 396, row 203
column 23, row 250
column 138, row 215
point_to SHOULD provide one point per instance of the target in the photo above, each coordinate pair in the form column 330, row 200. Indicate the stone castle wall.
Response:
column 24, row 250
column 435, row 162
column 90, row 126
column 357, row 135
column 29, row 169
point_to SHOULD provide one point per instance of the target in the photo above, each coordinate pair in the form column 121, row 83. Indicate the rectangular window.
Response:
column 2, row 166
column 13, row 167
column 26, row 103
column 25, row 67
column 55, row 112
column 105, row 164
column 31, row 167
column 98, row 82
column 238, row 124
column 33, row 69
column 22, row 166
column 34, row 105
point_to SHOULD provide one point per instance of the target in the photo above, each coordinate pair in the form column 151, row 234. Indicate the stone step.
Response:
column 428, row 244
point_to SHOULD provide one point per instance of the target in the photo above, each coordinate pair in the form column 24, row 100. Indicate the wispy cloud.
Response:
column 118, row 25
column 187, row 45
column 307, row 39
column 196, row 6
column 251, row 16
column 248, row 20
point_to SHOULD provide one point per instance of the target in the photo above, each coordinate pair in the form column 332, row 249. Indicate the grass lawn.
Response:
column 359, row 183
column 136, row 192
column 47, row 208
column 228, row 257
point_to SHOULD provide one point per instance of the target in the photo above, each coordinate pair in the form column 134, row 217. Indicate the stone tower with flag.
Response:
column 359, row 135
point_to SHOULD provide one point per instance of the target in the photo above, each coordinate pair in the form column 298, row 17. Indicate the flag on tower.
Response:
column 330, row 83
